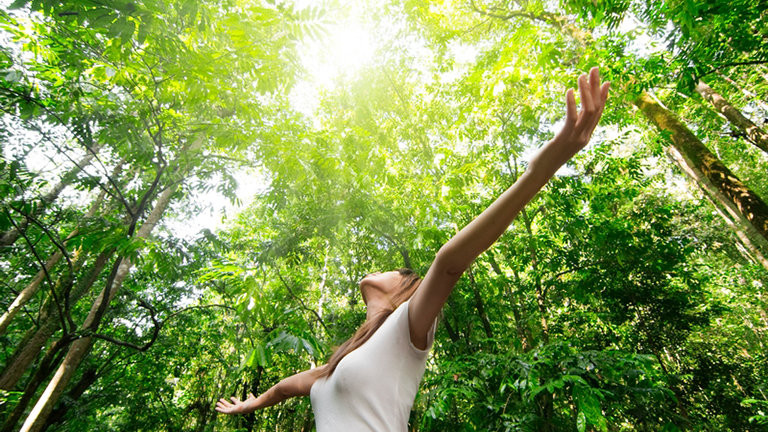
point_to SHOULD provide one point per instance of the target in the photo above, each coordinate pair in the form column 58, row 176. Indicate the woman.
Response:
column 371, row 381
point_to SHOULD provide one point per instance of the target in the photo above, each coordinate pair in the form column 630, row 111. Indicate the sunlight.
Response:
column 345, row 49
column 348, row 49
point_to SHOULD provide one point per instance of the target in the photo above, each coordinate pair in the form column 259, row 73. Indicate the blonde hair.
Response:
column 408, row 286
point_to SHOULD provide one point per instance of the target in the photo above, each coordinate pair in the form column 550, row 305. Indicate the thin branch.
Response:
column 301, row 302
column 119, row 197
column 506, row 17
column 115, row 341
column 233, row 159
column 397, row 91
column 60, row 246
column 105, row 298
column 45, row 271
column 403, row 251
column 31, row 318
column 727, row 65
column 197, row 307
column 157, row 325
column 145, row 198
column 580, row 267
column 155, row 332
column 83, row 141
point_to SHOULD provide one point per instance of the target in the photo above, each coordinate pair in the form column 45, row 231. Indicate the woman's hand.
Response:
column 295, row 385
column 578, row 127
column 237, row 406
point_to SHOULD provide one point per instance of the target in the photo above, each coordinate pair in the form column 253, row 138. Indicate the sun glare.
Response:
column 349, row 48
column 345, row 49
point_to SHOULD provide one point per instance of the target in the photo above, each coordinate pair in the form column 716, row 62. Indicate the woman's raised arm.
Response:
column 295, row 385
column 460, row 251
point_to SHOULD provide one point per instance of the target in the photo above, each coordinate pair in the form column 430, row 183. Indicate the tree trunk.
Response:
column 33, row 285
column 25, row 356
column 546, row 409
column 541, row 294
column 250, row 419
column 480, row 307
column 448, row 328
column 49, row 323
column 515, row 303
column 28, row 335
column 751, row 239
column 755, row 98
column 749, row 205
column 523, row 332
column 757, row 136
column 49, row 362
column 202, row 417
column 89, row 377
column 9, row 237
column 37, row 418
column 28, row 291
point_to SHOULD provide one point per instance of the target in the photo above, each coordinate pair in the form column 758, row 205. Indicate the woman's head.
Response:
column 397, row 286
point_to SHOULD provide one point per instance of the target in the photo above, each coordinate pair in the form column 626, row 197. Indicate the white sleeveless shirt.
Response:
column 374, row 386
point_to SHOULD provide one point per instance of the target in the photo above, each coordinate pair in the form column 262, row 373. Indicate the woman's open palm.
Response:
column 235, row 407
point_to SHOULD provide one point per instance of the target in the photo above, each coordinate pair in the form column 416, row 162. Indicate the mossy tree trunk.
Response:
column 749, row 205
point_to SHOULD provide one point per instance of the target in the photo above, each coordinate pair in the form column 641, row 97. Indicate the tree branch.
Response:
column 197, row 307
column 60, row 246
column 400, row 248
column 727, row 65
column 45, row 271
column 119, row 197
column 301, row 302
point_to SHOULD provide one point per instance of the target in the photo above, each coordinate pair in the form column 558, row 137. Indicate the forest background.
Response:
column 629, row 295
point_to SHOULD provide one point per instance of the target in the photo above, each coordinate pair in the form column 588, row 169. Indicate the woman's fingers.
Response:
column 587, row 106
column 579, row 124
column 604, row 92
column 602, row 97
column 571, row 113
column 593, row 100
column 224, row 406
column 594, row 85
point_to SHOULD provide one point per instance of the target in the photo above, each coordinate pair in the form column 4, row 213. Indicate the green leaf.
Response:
column 117, row 27
column 18, row 4
column 581, row 422
column 127, row 33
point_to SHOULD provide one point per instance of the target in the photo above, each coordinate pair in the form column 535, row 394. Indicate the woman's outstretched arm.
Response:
column 460, row 251
column 295, row 385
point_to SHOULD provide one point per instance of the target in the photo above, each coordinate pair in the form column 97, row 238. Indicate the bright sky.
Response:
column 347, row 48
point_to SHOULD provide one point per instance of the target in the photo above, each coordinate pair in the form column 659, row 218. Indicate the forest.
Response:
column 190, row 191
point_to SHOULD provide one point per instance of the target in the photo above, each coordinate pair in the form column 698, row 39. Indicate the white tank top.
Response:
column 374, row 386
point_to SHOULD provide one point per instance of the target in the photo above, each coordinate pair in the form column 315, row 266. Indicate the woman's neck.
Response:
column 376, row 305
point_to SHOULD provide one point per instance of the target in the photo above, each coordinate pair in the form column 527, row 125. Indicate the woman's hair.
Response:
column 408, row 286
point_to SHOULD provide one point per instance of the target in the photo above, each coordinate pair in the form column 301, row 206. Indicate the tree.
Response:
column 141, row 89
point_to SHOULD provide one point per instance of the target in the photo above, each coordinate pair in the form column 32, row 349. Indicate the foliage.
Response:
column 618, row 300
